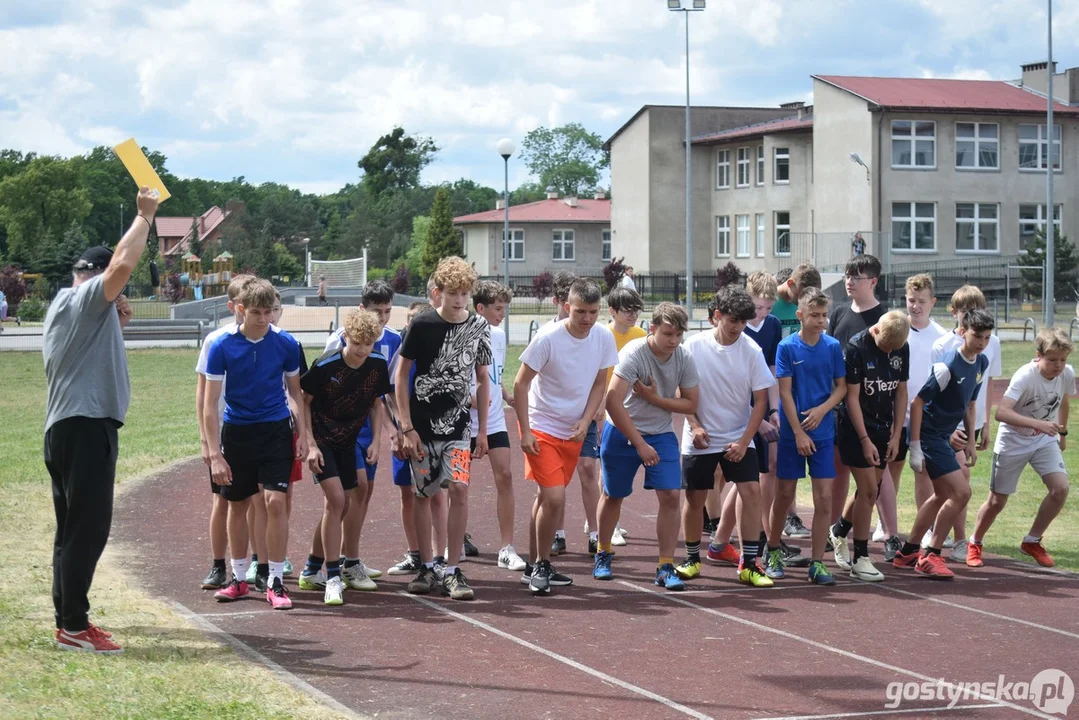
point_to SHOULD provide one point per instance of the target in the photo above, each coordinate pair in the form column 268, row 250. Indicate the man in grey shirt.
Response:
column 88, row 395
column 655, row 377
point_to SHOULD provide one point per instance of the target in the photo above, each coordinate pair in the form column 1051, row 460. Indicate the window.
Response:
column 783, row 234
column 605, row 246
column 1034, row 147
column 977, row 227
column 760, row 164
column 914, row 227
column 1031, row 220
column 743, row 167
column 723, row 236
column 741, row 225
column 723, row 169
column 781, row 170
column 977, row 145
column 562, row 248
column 914, row 144
column 760, row 234
column 517, row 246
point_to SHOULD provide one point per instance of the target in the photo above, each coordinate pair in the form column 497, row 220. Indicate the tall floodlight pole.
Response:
column 697, row 6
column 1050, row 228
column 505, row 149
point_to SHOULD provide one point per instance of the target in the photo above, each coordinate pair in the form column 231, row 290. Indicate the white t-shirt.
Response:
column 566, row 369
column 729, row 375
column 920, row 343
column 204, row 355
column 951, row 341
column 1036, row 398
column 627, row 282
column 496, row 416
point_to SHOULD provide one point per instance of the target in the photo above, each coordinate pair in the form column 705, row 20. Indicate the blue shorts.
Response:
column 590, row 448
column 939, row 457
column 790, row 465
column 361, row 461
column 402, row 473
column 619, row 461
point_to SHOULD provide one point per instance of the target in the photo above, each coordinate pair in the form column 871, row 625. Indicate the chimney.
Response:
column 571, row 201
column 500, row 204
column 552, row 194
column 798, row 105
column 202, row 225
column 600, row 195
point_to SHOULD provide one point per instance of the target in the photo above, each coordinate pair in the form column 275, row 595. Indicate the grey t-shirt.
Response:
column 85, row 364
column 636, row 361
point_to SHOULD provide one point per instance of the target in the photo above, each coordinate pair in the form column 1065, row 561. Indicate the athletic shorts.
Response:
column 590, row 447
column 361, row 460
column 556, row 462
column 939, row 457
column 1004, row 475
column 258, row 455
column 296, row 475
column 444, row 461
column 402, row 473
column 699, row 471
column 214, row 487
column 791, row 465
column 494, row 441
column 339, row 464
column 760, row 446
column 850, row 449
column 619, row 462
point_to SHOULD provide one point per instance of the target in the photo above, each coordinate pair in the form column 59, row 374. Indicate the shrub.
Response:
column 32, row 309
column 543, row 285
column 13, row 287
column 613, row 272
column 171, row 289
column 729, row 274
column 402, row 280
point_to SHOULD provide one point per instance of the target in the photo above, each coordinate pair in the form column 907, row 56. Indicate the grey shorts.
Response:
column 444, row 461
column 1004, row 475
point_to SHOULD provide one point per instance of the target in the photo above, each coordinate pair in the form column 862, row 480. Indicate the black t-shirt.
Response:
column 879, row 373
column 445, row 355
column 343, row 396
column 844, row 323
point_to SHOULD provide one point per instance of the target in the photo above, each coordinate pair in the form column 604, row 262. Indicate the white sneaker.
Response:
column 839, row 547
column 618, row 538
column 949, row 543
column 335, row 592
column 508, row 559
column 356, row 579
column 878, row 535
column 959, row 551
column 927, row 539
column 864, row 569
column 370, row 571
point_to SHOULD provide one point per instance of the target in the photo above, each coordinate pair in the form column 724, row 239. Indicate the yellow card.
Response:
column 141, row 170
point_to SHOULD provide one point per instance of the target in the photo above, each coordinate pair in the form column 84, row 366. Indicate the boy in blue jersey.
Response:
column 946, row 399
column 255, row 446
column 812, row 381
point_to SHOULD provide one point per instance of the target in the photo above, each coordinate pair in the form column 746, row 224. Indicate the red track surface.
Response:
column 622, row 648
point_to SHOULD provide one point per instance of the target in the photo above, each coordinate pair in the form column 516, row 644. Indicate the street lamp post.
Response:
column 1050, row 229
column 505, row 149
column 695, row 6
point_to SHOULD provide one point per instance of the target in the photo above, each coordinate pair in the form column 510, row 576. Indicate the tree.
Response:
column 41, row 202
column 13, row 287
column 402, row 280
column 442, row 240
column 543, row 285
column 195, row 244
column 417, row 246
column 527, row 192
column 613, row 272
column 568, row 158
column 728, row 274
column 1065, row 266
column 395, row 161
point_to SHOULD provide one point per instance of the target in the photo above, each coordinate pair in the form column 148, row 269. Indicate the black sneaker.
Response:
column 540, row 584
column 423, row 583
column 526, row 575
column 470, row 549
column 710, row 526
column 792, row 556
column 593, row 545
column 409, row 566
column 556, row 578
column 891, row 546
column 793, row 527
column 456, row 586
column 217, row 578
column 558, row 547
column 261, row 582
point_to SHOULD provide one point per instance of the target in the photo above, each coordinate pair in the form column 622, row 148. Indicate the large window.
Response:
column 1034, row 147
column 723, row 236
column 1031, row 220
column 783, row 234
column 760, row 234
column 977, row 227
column 914, row 227
column 743, row 167
column 760, row 164
column 562, row 248
column 517, row 246
column 741, row 226
column 781, row 166
column 914, row 144
column 605, row 246
column 723, row 169
column 977, row 146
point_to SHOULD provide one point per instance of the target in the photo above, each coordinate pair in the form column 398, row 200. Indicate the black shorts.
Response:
column 214, row 487
column 850, row 447
column 699, row 471
column 338, row 463
column 494, row 440
column 761, row 446
column 258, row 454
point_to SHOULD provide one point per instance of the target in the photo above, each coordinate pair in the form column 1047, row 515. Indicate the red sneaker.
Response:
column 92, row 639
column 278, row 597
column 903, row 561
column 727, row 555
column 233, row 591
column 974, row 555
column 932, row 566
column 1036, row 551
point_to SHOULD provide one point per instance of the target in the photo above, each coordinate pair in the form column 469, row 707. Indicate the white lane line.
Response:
column 240, row 613
column 670, row 597
column 871, row 713
column 561, row 658
column 252, row 654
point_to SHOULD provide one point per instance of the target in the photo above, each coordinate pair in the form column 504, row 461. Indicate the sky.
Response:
column 296, row 92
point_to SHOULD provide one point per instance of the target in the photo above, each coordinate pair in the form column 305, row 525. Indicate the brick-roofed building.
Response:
column 175, row 233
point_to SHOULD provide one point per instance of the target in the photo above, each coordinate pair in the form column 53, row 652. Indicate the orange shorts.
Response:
column 297, row 463
column 554, row 465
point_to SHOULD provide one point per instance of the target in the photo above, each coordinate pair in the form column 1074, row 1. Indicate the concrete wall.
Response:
column 486, row 241
column 630, row 185
column 842, row 124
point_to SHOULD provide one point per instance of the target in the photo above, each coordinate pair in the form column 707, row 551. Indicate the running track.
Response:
column 622, row 648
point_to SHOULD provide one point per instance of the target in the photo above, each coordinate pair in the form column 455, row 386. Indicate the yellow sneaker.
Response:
column 689, row 569
column 753, row 576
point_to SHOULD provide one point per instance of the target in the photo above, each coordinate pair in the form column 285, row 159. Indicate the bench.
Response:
column 166, row 330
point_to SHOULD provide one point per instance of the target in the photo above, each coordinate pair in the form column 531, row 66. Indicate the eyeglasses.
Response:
column 856, row 278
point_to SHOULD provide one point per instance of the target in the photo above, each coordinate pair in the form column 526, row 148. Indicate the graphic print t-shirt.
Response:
column 844, row 323
column 879, row 373
column 343, row 396
column 1036, row 398
column 445, row 354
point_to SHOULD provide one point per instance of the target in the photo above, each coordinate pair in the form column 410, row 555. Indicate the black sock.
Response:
column 750, row 551
column 313, row 565
column 219, row 564
column 842, row 528
column 693, row 551
column 762, row 543
column 861, row 549
column 263, row 570
column 933, row 551
column 254, row 559
column 333, row 569
column 770, row 548
column 350, row 563
column 706, row 518
column 909, row 548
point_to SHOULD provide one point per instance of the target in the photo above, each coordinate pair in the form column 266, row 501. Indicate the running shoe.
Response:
column 602, row 566
column 287, row 571
column 891, row 546
column 558, row 547
column 959, row 551
column 335, row 591
column 819, row 575
column 277, row 596
column 904, row 561
column 424, row 583
column 792, row 556
column 864, row 569
column 456, row 586
column 540, row 582
column 368, row 571
column 410, row 565
column 261, row 582
column 526, row 574
column 618, row 539
column 252, row 571
column 215, row 579
column 593, row 546
column 314, row 582
column 233, row 591
column 689, row 569
column 840, row 549
column 470, row 549
column 1036, row 551
column 439, row 568
column 754, row 577
column 794, row 527
column 726, row 555
column 667, row 577
column 557, row 579
column 974, row 556
column 878, row 533
column 774, row 566
column 92, row 639
column 932, row 565
column 355, row 578
column 508, row 559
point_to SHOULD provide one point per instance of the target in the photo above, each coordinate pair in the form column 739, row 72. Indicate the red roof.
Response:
column 180, row 227
column 545, row 211
column 769, row 127
column 936, row 94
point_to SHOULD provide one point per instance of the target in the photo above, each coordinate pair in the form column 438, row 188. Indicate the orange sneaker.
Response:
column 932, row 566
column 974, row 555
column 1036, row 551
column 92, row 639
column 727, row 555
column 902, row 561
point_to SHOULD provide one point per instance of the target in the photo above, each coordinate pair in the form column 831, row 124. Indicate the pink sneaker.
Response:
column 233, row 591
column 92, row 639
column 278, row 597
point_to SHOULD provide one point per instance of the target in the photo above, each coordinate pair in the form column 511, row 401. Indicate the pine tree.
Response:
column 1065, row 265
column 442, row 238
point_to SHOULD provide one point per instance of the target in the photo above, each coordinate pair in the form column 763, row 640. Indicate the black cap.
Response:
column 95, row 258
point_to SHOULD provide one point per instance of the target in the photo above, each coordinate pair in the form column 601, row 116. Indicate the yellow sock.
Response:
column 603, row 547
column 665, row 561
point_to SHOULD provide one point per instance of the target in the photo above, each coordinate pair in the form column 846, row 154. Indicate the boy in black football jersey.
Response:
column 342, row 387
column 869, row 430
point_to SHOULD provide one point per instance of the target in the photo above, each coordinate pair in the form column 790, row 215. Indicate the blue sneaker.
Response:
column 602, row 569
column 666, row 577
column 774, row 568
column 819, row 574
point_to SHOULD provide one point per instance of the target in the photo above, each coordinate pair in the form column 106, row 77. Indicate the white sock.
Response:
column 277, row 572
column 451, row 569
column 1031, row 539
column 975, row 541
column 593, row 536
column 239, row 568
column 560, row 534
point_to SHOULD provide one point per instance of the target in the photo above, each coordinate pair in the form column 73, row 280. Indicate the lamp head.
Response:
column 698, row 4
column 506, row 148
column 674, row 4
column 857, row 159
